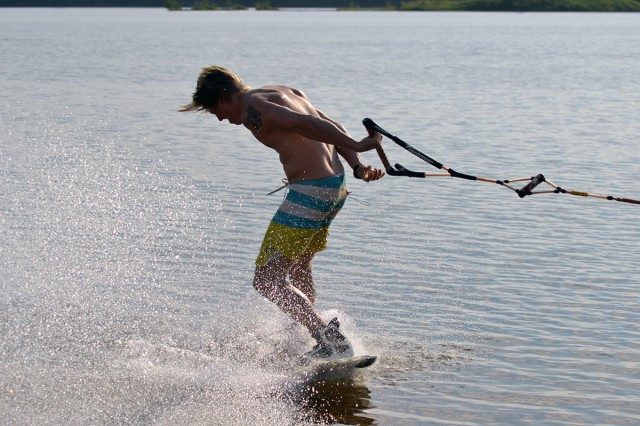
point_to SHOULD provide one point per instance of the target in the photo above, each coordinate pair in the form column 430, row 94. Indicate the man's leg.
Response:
column 301, row 277
column 270, row 281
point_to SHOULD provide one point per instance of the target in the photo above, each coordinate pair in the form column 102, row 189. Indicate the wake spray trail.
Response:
column 110, row 275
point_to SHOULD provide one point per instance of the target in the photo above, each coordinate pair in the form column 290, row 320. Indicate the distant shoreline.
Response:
column 413, row 6
column 524, row 5
column 448, row 6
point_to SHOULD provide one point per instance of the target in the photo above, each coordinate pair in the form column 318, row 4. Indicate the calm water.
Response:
column 128, row 231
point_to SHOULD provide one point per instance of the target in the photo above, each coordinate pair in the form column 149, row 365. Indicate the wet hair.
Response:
column 215, row 84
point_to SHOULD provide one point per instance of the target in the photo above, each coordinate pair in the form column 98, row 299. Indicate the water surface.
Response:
column 128, row 231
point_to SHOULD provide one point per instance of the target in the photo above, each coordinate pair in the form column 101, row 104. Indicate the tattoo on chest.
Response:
column 254, row 119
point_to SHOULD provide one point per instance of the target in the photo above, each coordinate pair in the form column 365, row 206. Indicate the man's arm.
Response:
column 350, row 156
column 366, row 173
column 265, row 116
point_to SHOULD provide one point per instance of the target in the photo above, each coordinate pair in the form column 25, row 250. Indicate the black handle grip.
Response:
column 371, row 126
column 403, row 171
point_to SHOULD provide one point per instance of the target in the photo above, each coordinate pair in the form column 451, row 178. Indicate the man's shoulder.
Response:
column 284, row 96
column 275, row 91
column 264, row 94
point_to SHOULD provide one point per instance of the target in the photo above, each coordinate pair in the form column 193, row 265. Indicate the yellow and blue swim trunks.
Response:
column 301, row 224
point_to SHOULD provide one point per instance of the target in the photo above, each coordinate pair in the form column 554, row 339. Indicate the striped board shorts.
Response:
column 301, row 224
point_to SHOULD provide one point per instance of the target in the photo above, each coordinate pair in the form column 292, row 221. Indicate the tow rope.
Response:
column 527, row 189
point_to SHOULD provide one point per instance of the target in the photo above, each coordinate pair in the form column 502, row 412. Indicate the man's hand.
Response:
column 368, row 173
column 373, row 141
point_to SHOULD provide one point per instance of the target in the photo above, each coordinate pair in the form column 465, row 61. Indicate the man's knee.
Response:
column 304, row 264
column 270, row 278
column 262, row 283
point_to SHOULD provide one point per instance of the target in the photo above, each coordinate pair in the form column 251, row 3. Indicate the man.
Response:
column 308, row 143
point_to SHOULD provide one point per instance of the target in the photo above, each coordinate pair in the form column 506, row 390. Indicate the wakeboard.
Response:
column 339, row 367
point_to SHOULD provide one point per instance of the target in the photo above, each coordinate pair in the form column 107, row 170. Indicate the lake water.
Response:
column 128, row 231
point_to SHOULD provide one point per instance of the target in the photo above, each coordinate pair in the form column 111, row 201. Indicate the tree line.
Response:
column 429, row 5
column 190, row 3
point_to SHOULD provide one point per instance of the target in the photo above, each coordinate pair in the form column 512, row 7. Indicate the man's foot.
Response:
column 332, row 344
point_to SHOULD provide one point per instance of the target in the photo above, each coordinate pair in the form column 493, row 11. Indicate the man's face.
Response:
column 225, row 111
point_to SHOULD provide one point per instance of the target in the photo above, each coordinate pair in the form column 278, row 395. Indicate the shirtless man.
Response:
column 308, row 143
